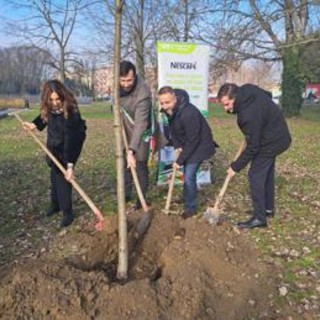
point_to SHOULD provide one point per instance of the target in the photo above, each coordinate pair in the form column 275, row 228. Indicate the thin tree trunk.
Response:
column 139, row 41
column 92, row 87
column 186, row 21
column 122, row 272
column 62, row 65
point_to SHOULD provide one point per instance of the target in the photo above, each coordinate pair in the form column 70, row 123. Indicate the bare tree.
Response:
column 122, row 272
column 83, row 74
column 100, row 20
column 183, row 17
column 22, row 69
column 273, row 30
column 49, row 25
column 147, row 21
column 142, row 25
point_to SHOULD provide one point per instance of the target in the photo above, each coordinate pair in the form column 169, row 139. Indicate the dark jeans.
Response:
column 142, row 173
column 261, row 179
column 61, row 192
column 190, row 186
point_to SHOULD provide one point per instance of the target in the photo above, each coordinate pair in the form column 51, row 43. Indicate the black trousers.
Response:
column 261, row 179
column 61, row 191
column 143, row 177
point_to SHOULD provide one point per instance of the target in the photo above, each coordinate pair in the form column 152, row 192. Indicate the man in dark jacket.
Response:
column 266, row 134
column 191, row 135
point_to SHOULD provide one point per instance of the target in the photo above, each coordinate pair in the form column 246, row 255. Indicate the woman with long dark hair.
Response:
column 66, row 132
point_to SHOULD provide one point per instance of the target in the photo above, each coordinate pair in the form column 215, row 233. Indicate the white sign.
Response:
column 185, row 66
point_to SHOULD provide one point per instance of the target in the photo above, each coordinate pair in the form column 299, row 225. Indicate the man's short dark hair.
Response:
column 228, row 90
column 166, row 89
column 125, row 67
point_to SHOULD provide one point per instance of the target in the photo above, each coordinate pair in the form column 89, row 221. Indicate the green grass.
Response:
column 216, row 111
column 97, row 110
column 25, row 183
column 311, row 113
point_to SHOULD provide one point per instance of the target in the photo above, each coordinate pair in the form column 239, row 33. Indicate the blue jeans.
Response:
column 190, row 186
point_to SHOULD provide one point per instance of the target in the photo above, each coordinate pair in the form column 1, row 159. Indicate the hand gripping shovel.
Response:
column 96, row 211
column 212, row 215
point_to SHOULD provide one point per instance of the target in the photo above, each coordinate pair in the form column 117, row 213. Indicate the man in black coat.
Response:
column 267, row 135
column 191, row 135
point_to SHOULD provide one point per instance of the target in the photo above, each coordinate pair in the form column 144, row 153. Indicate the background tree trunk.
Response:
column 292, row 84
column 139, row 41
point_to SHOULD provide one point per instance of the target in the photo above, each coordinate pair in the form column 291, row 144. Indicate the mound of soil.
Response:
column 179, row 269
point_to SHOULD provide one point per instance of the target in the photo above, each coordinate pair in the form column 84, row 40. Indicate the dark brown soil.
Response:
column 181, row 269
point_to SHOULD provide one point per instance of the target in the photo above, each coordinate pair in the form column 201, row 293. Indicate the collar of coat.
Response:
column 182, row 102
column 246, row 95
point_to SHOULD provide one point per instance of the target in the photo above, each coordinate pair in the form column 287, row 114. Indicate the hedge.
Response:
column 13, row 103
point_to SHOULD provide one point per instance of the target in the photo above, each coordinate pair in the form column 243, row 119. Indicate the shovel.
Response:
column 212, row 215
column 134, row 174
column 96, row 211
column 171, row 185
column 170, row 191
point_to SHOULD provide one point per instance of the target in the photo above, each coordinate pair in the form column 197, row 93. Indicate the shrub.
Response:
column 12, row 103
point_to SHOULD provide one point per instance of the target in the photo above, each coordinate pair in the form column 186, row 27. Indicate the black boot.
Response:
column 67, row 219
column 252, row 223
column 52, row 210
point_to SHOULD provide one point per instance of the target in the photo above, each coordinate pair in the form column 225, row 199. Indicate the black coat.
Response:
column 263, row 124
column 65, row 137
column 190, row 131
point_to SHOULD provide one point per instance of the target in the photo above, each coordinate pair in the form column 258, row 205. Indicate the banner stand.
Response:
column 184, row 66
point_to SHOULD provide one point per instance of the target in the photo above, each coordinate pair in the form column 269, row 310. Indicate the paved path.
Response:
column 4, row 112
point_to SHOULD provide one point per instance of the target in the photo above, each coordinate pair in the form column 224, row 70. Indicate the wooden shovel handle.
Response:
column 170, row 191
column 228, row 178
column 241, row 148
column 134, row 173
column 171, row 184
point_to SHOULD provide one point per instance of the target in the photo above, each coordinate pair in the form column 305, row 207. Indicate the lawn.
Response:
column 292, row 242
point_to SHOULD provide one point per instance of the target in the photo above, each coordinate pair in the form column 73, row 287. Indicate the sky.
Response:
column 9, row 14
